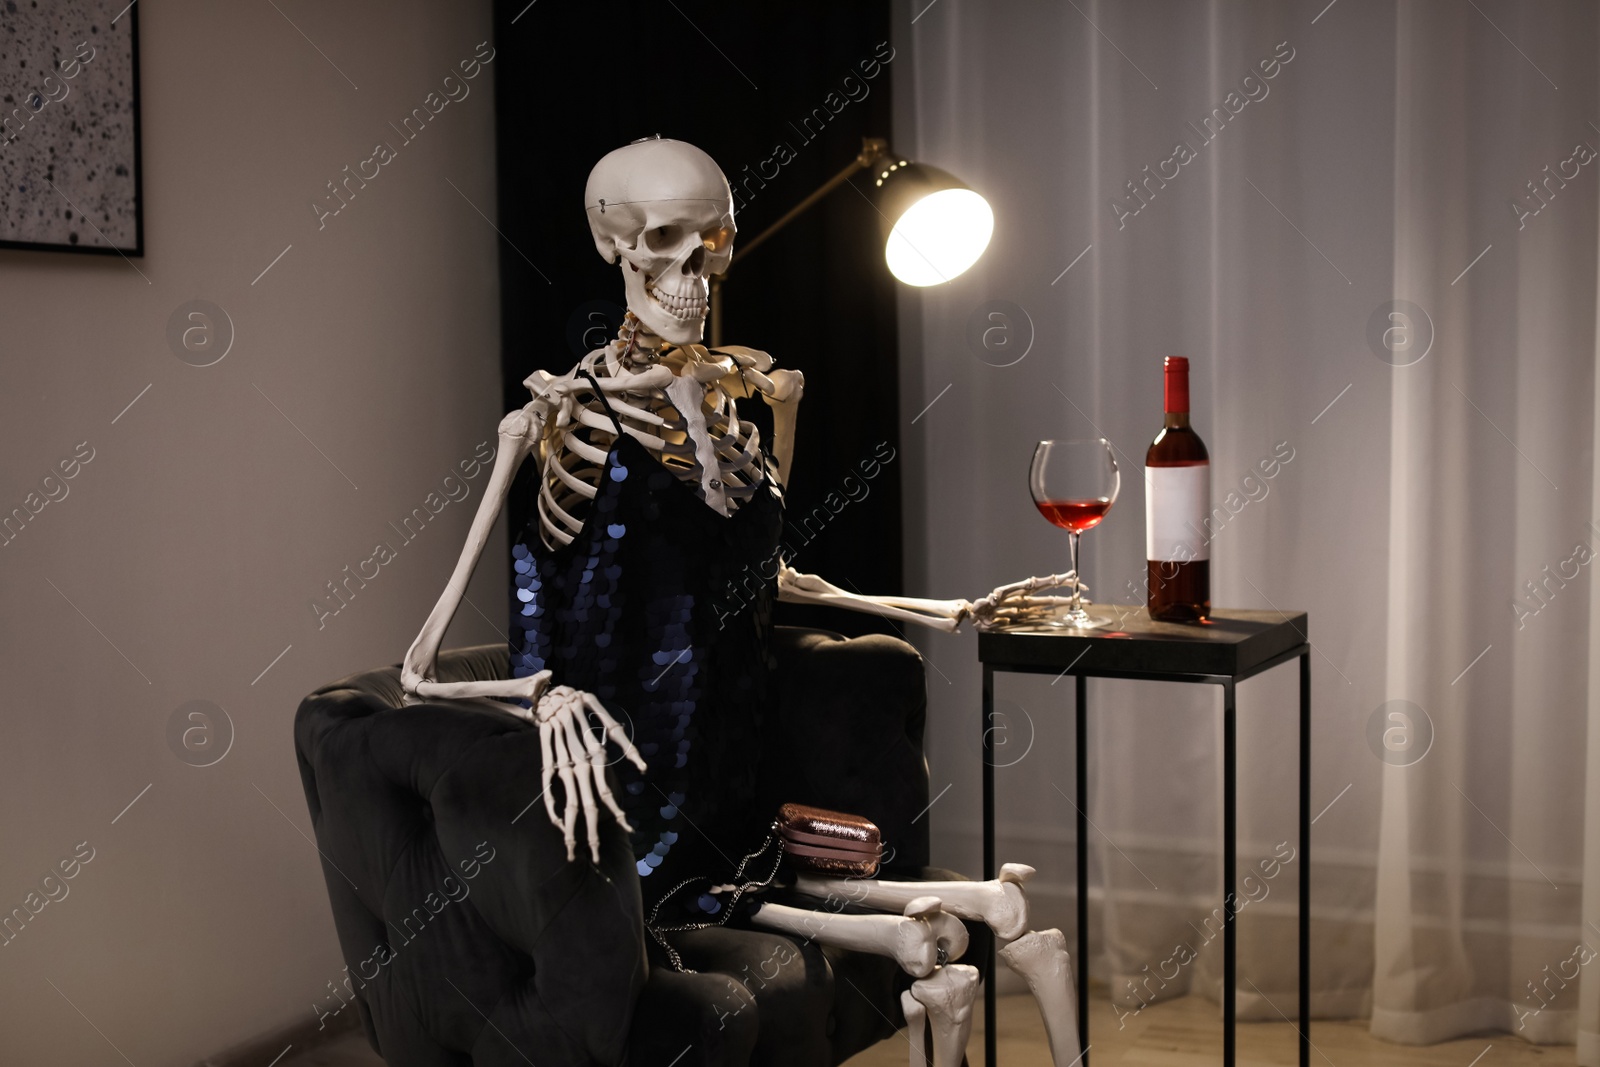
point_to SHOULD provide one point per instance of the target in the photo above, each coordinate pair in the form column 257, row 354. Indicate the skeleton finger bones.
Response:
column 1017, row 601
column 574, row 752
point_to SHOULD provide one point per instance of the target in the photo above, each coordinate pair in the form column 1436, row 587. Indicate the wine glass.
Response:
column 1074, row 483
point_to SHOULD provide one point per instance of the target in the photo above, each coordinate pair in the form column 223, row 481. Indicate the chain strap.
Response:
column 741, row 890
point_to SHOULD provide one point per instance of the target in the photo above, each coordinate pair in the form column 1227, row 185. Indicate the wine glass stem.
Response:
column 1073, row 536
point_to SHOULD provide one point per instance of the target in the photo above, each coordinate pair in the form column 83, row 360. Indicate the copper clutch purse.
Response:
column 829, row 842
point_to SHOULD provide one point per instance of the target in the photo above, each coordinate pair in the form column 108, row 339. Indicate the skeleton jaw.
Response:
column 671, row 307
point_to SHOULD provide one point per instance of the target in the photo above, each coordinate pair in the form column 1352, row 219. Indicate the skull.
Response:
column 664, row 209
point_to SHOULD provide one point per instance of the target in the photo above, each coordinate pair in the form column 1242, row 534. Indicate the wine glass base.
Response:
column 1078, row 620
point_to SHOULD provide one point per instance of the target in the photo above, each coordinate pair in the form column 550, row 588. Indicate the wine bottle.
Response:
column 1177, row 497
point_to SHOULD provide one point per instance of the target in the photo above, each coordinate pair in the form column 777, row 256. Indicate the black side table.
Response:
column 1232, row 646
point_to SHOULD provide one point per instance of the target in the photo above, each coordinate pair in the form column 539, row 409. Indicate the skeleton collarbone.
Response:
column 681, row 408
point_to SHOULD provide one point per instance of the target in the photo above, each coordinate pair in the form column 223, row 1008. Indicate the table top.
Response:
column 1233, row 643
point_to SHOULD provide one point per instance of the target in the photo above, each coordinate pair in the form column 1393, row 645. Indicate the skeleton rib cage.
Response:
column 724, row 462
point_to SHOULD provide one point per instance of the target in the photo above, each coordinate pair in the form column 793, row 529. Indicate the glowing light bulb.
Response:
column 939, row 237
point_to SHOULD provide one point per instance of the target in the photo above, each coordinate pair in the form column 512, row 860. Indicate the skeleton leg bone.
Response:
column 1041, row 959
column 1001, row 903
column 948, row 995
column 910, row 939
column 916, row 1028
column 949, row 934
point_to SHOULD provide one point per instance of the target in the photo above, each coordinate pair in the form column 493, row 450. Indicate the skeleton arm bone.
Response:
column 800, row 588
column 1013, row 602
column 569, row 746
column 517, row 436
column 781, row 389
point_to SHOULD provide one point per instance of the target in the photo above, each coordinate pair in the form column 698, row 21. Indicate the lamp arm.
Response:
column 873, row 149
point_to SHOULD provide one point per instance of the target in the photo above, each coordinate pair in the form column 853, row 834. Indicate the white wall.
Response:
column 191, row 545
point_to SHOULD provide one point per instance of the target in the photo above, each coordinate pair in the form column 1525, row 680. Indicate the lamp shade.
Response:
column 935, row 225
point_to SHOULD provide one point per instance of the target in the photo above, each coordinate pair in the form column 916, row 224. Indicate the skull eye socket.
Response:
column 663, row 238
column 718, row 239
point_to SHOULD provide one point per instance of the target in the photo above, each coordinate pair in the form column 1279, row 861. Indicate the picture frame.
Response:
column 71, row 173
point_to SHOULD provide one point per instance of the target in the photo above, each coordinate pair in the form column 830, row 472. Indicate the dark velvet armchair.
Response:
column 470, row 939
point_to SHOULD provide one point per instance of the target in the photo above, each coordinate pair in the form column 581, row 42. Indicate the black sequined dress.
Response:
column 661, row 607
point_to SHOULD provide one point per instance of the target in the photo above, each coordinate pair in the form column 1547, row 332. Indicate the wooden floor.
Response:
column 1189, row 1031
column 1176, row 1034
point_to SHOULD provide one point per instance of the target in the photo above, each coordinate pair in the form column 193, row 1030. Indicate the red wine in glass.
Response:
column 1074, row 515
column 1074, row 483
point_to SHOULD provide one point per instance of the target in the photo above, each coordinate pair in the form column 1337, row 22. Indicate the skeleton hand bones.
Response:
column 1016, row 602
column 570, row 748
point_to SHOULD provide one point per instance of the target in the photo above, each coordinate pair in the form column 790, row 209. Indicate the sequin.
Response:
column 637, row 610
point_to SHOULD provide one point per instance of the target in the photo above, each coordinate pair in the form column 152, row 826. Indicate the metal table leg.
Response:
column 1082, row 788
column 1230, row 818
column 1305, row 859
column 990, row 1037
column 1230, row 847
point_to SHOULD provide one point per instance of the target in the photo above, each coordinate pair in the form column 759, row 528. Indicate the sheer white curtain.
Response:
column 1436, row 517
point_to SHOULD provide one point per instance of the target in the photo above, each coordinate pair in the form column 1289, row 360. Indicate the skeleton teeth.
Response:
column 679, row 307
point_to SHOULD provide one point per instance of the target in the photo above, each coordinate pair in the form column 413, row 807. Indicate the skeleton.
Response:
column 662, row 211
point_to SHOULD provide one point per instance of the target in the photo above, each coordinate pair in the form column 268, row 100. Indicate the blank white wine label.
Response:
column 1176, row 500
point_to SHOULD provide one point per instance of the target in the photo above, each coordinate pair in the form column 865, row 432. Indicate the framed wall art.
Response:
column 69, row 126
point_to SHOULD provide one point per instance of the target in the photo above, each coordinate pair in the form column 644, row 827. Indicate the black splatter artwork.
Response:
column 69, row 124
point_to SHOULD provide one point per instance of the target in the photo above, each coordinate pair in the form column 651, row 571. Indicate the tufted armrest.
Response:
column 457, row 913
